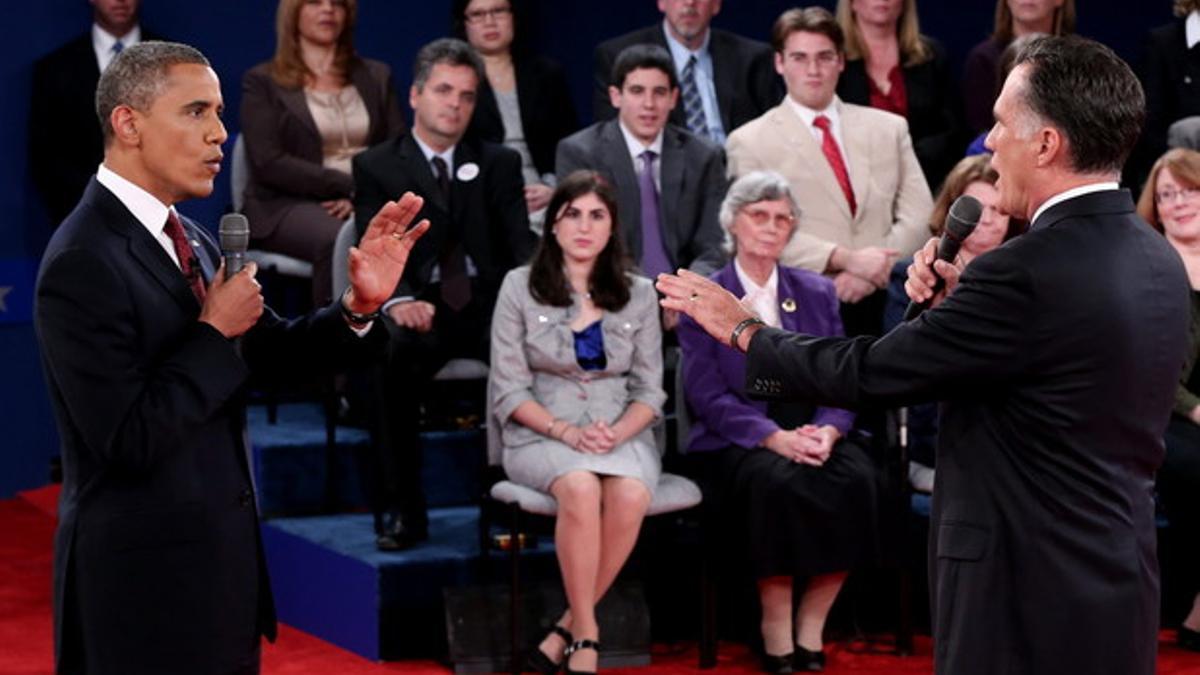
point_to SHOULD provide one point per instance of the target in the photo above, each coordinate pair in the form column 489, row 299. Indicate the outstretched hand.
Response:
column 377, row 263
column 716, row 310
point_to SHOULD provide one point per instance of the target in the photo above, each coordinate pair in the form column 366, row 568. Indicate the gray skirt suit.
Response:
column 533, row 358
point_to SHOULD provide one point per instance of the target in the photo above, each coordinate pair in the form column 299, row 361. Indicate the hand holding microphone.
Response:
column 234, row 302
column 928, row 276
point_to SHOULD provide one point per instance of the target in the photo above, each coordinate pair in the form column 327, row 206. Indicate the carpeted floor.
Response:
column 26, row 531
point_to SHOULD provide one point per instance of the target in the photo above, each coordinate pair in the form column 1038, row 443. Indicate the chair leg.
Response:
column 708, row 612
column 514, row 589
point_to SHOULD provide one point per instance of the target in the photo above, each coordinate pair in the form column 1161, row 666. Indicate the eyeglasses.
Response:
column 762, row 217
column 484, row 15
column 1170, row 195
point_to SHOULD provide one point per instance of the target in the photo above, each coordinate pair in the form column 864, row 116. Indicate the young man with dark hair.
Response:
column 669, row 182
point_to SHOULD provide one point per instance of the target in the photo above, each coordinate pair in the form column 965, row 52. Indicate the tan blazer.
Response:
column 893, row 199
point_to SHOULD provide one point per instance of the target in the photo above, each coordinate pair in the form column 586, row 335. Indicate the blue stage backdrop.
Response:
column 238, row 34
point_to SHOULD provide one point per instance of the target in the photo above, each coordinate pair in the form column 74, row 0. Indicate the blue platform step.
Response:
column 289, row 460
column 330, row 581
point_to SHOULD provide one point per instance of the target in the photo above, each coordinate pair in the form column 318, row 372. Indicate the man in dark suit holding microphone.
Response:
column 147, row 346
column 1056, row 357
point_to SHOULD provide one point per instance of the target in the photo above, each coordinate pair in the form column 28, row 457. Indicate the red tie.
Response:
column 187, row 257
column 830, row 147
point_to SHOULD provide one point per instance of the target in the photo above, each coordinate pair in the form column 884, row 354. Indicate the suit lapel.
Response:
column 614, row 154
column 361, row 79
column 672, row 171
column 295, row 101
column 724, row 77
column 858, row 153
column 463, row 193
column 792, row 128
column 415, row 165
column 788, row 320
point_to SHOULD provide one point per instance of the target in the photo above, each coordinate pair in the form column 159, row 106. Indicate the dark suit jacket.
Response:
column 693, row 185
column 743, row 75
column 1056, row 359
column 158, row 562
column 283, row 145
column 722, row 414
column 487, row 213
column 65, row 144
column 934, row 110
column 547, row 113
column 1170, row 74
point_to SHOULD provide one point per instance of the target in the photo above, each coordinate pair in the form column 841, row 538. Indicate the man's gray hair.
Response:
column 450, row 51
column 136, row 77
column 756, row 186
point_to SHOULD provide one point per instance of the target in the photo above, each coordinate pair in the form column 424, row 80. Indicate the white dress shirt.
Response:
column 103, row 41
column 764, row 300
column 636, row 148
column 808, row 115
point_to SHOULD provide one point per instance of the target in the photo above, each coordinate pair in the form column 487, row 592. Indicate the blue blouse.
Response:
column 589, row 347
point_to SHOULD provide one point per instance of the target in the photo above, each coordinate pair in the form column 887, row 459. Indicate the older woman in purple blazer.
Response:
column 789, row 477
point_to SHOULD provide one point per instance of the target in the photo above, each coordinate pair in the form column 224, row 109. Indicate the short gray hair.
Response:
column 756, row 186
column 450, row 51
column 136, row 77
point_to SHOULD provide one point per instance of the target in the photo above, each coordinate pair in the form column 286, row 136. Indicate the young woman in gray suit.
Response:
column 575, row 385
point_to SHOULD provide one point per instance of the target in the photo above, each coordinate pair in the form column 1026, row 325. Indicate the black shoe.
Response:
column 400, row 532
column 1189, row 639
column 576, row 646
column 776, row 664
column 804, row 661
column 537, row 659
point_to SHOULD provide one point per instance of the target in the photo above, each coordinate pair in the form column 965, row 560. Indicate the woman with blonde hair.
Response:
column 1170, row 202
column 890, row 65
column 1014, row 18
column 305, row 114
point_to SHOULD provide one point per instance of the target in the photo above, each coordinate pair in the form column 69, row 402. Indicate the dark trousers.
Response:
column 308, row 232
column 398, row 384
column 1179, row 488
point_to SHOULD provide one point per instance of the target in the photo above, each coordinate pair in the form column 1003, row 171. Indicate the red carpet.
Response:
column 26, row 531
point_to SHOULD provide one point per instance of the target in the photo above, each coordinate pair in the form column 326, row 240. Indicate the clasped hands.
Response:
column 809, row 444
column 596, row 438
column 234, row 305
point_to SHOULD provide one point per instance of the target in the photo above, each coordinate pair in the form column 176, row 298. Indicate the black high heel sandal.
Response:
column 804, row 661
column 576, row 646
column 537, row 659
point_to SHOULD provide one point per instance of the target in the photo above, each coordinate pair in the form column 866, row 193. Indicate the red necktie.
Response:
column 187, row 257
column 830, row 147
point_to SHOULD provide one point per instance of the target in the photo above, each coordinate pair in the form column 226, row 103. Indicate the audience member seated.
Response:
column 524, row 102
column 1171, row 203
column 668, row 182
column 1169, row 73
column 442, row 307
column 853, row 167
column 727, row 79
column 1014, row 18
column 64, row 133
column 972, row 176
column 575, row 385
column 305, row 114
column 890, row 65
column 786, row 474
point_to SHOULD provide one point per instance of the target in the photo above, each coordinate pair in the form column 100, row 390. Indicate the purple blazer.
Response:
column 715, row 375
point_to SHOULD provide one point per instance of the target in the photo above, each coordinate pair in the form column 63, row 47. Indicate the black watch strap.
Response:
column 353, row 317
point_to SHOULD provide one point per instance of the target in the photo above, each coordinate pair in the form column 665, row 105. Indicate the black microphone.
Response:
column 235, row 238
column 960, row 223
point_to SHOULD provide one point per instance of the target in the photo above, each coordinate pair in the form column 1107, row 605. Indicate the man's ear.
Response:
column 124, row 125
column 614, row 96
column 1051, row 146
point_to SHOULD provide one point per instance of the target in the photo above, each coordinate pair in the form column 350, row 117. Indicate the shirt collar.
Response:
column 1072, row 194
column 771, row 288
column 150, row 212
column 808, row 115
column 1191, row 28
column 104, row 41
column 680, row 52
column 636, row 148
column 430, row 153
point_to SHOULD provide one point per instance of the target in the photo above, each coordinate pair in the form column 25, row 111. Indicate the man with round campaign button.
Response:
column 442, row 307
